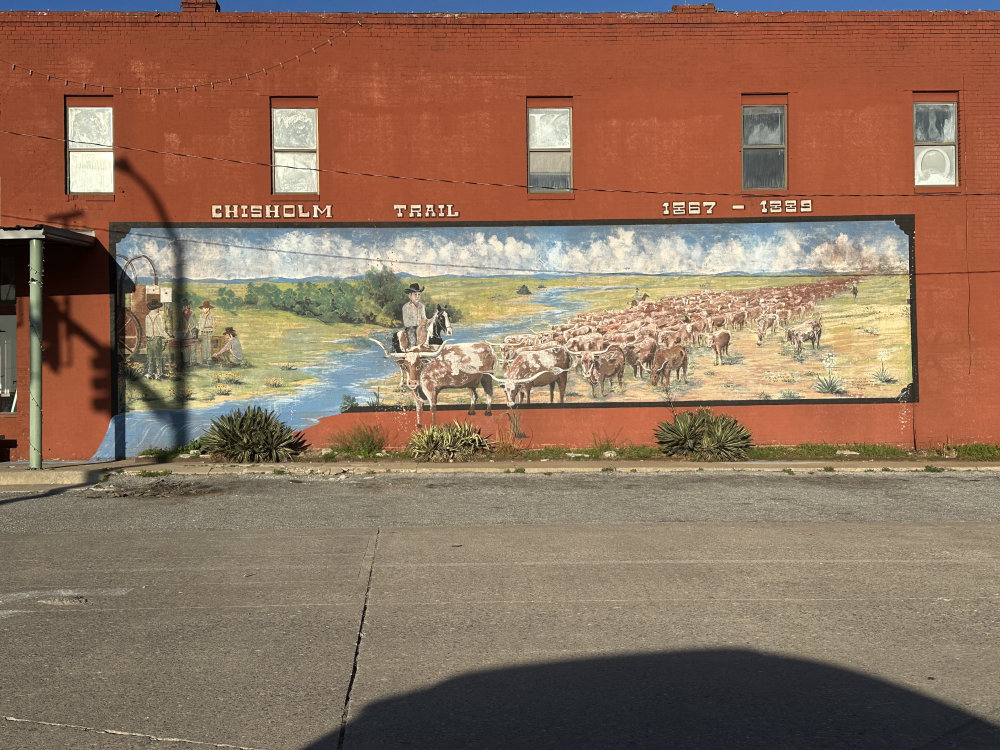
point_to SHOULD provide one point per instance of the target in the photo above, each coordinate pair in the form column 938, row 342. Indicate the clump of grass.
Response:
column 274, row 382
column 607, row 468
column 288, row 366
column 448, row 442
column 227, row 378
column 876, row 450
column 933, row 469
column 829, row 383
column 223, row 390
column 883, row 376
column 160, row 455
column 789, row 395
column 364, row 441
column 828, row 468
column 181, row 394
column 148, row 473
column 788, row 471
column 977, row 452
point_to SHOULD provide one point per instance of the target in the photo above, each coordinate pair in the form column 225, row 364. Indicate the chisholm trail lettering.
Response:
column 272, row 211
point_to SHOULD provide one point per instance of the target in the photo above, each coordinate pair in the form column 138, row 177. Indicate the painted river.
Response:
column 342, row 373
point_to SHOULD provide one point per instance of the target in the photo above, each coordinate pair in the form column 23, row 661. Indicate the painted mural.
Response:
column 316, row 320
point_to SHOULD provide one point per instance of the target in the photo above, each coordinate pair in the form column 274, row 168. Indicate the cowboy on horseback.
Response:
column 414, row 314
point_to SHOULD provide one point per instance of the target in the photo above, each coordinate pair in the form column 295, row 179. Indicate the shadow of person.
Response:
column 691, row 700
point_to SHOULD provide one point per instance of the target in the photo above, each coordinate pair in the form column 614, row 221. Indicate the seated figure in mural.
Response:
column 414, row 314
column 156, row 336
column 231, row 353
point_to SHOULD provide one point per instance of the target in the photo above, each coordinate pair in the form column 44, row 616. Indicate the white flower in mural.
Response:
column 829, row 360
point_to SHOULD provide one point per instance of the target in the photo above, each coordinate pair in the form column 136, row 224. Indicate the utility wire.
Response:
column 483, row 183
column 118, row 234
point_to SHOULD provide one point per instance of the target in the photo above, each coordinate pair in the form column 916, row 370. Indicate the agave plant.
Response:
column 725, row 439
column 252, row 436
column 448, row 442
column 704, row 436
column 682, row 437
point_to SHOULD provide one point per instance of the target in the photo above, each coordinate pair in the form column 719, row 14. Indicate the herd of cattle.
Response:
column 650, row 337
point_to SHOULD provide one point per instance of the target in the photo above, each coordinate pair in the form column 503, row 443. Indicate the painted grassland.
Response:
column 277, row 345
column 864, row 353
column 865, row 350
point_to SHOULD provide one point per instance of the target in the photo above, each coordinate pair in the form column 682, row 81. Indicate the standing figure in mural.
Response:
column 187, row 333
column 413, row 313
column 156, row 335
column 854, row 289
column 231, row 353
column 206, row 327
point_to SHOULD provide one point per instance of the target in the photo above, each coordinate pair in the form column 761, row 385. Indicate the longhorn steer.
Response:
column 667, row 360
column 536, row 367
column 601, row 366
column 720, row 345
column 639, row 355
column 452, row 366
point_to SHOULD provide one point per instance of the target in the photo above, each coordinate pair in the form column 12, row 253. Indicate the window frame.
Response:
column 88, row 102
column 751, row 101
column 937, row 97
column 293, row 103
column 534, row 104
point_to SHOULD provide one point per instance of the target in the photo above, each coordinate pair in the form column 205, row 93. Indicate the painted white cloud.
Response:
column 234, row 253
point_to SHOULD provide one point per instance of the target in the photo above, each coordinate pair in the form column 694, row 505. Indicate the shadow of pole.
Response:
column 175, row 416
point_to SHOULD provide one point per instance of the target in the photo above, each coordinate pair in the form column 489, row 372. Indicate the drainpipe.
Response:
column 35, row 318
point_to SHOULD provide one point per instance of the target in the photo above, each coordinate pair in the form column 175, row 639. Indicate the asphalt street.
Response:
column 687, row 610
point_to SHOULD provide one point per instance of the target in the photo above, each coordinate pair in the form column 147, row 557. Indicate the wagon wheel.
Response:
column 130, row 336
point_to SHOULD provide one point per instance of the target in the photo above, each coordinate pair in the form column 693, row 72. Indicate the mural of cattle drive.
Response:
column 316, row 320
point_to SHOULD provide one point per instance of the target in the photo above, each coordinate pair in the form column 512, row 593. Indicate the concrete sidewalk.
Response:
column 61, row 474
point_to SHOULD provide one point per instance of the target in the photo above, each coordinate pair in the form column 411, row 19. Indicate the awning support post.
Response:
column 35, row 319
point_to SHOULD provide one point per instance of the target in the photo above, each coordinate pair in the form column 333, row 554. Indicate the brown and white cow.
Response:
column 603, row 365
column 537, row 367
column 450, row 366
column 666, row 360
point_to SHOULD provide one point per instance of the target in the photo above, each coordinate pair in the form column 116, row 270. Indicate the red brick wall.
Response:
column 656, row 108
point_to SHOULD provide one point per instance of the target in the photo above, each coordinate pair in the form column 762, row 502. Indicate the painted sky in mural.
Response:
column 694, row 249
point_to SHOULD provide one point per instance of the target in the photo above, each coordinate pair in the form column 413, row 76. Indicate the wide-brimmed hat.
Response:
column 414, row 287
column 154, row 305
column 206, row 305
column 230, row 330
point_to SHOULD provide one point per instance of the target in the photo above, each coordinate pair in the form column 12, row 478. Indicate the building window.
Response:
column 294, row 140
column 765, row 159
column 935, row 143
column 550, row 149
column 90, row 160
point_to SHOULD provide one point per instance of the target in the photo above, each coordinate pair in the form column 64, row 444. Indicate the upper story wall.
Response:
column 656, row 104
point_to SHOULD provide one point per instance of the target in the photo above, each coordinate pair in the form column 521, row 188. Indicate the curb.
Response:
column 79, row 476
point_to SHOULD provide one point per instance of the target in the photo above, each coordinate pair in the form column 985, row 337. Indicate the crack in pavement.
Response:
column 127, row 734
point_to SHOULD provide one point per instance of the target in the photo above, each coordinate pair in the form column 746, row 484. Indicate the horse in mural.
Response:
column 430, row 332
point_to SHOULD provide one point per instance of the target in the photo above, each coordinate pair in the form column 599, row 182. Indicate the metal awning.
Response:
column 43, row 232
